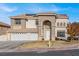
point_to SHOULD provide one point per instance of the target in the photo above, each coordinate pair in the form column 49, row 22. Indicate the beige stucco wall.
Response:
column 31, row 24
column 61, row 28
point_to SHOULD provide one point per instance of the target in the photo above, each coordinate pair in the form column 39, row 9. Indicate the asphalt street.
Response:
column 74, row 52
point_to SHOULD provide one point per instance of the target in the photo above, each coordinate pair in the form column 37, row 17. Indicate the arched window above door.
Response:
column 47, row 23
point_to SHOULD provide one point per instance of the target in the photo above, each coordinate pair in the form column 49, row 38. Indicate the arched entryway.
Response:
column 47, row 30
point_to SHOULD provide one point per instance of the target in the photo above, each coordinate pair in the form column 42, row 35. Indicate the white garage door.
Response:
column 24, row 36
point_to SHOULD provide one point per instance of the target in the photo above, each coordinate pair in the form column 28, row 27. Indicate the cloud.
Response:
column 58, row 9
column 5, row 18
column 38, row 8
column 55, row 8
column 4, row 7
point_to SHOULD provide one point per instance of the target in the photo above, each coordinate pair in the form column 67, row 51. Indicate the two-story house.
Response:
column 40, row 26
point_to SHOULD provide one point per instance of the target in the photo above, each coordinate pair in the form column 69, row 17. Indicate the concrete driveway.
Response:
column 9, row 45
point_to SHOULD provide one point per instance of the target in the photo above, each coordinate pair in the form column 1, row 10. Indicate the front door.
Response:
column 47, row 30
column 47, row 34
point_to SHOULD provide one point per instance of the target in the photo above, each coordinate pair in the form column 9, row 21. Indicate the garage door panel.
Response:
column 24, row 36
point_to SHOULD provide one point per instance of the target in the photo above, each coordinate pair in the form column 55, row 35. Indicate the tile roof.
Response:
column 4, row 24
column 60, row 16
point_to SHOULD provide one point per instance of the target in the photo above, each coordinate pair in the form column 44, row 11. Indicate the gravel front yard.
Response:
column 44, row 44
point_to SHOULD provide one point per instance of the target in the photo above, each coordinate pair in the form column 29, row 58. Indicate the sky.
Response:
column 14, row 9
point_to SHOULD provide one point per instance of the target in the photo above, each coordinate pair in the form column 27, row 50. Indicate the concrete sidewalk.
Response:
column 39, row 50
column 48, row 49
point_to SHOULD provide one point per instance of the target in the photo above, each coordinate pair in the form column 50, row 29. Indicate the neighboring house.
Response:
column 4, row 28
column 4, row 31
column 40, row 26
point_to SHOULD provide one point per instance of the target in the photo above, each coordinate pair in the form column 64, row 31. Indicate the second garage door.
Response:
column 24, row 36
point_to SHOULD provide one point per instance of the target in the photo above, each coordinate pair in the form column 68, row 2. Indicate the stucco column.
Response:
column 40, row 31
column 53, row 33
column 12, row 23
column 23, row 23
column 66, row 34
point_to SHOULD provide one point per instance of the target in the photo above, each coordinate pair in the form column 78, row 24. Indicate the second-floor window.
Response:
column 18, row 21
column 61, row 24
column 36, row 22
column 64, row 24
column 57, row 23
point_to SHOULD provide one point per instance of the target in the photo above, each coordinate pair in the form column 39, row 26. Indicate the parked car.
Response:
column 74, row 38
column 58, row 38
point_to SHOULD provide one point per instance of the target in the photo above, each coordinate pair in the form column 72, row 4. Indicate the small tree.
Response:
column 73, row 29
